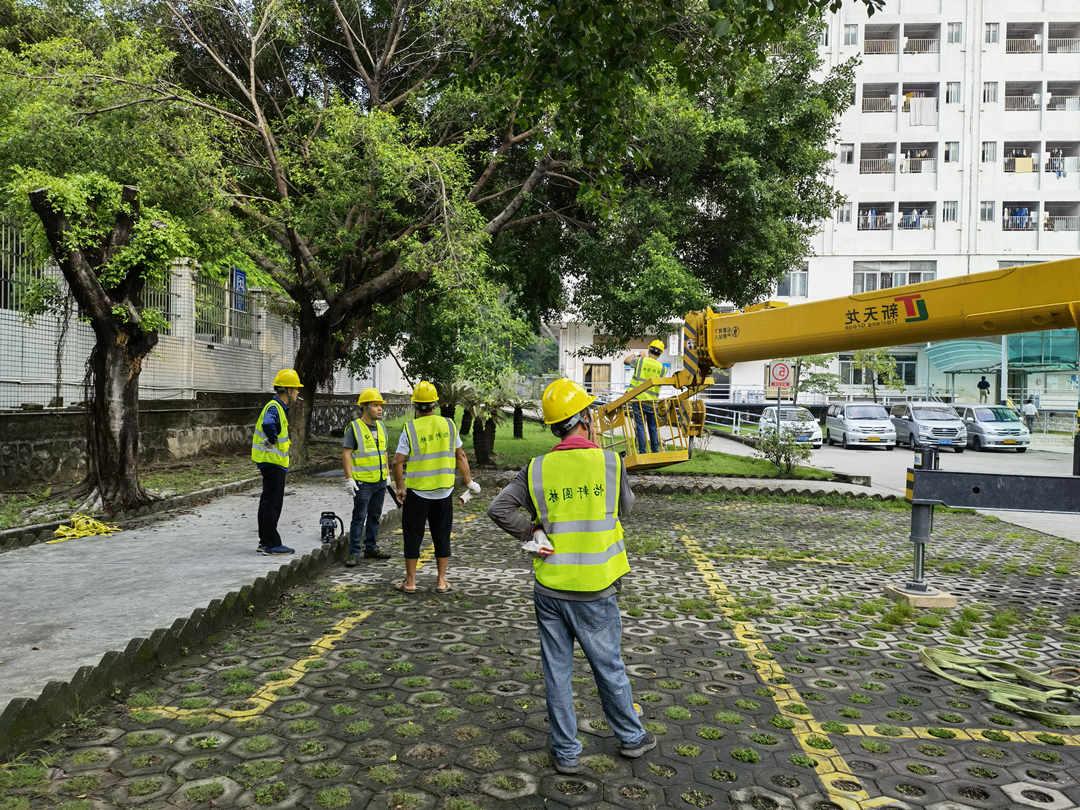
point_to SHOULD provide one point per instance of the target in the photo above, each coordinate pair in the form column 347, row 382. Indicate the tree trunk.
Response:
column 489, row 439
column 480, row 446
column 315, row 358
column 113, row 416
column 466, row 421
column 447, row 410
column 519, row 422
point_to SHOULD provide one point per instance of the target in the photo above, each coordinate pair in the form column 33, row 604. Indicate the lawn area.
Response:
column 511, row 452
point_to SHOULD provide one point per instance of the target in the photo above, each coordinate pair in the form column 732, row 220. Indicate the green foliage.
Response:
column 878, row 368
column 781, row 448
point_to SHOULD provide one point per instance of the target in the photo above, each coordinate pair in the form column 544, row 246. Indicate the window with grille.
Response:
column 794, row 283
column 851, row 35
column 955, row 33
column 843, row 213
column 990, row 92
column 986, row 211
column 851, row 374
column 847, row 153
column 952, row 151
column 989, row 151
column 952, row 92
column 870, row 276
column 950, row 210
column 993, row 33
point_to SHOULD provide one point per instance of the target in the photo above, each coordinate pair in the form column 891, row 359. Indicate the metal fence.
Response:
column 16, row 268
column 222, row 314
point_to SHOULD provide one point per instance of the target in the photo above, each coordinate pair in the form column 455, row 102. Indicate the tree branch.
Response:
column 534, row 179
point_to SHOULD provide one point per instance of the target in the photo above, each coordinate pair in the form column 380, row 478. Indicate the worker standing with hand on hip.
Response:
column 270, row 451
column 646, row 367
column 574, row 497
column 365, row 460
column 431, row 447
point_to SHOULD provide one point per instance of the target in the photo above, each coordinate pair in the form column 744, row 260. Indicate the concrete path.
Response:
column 65, row 605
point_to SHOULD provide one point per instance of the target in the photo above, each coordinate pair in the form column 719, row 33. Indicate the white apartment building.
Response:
column 959, row 154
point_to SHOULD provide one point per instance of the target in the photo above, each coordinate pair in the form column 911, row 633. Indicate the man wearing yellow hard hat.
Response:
column 365, row 461
column 270, row 451
column 431, row 447
column 646, row 367
column 565, row 506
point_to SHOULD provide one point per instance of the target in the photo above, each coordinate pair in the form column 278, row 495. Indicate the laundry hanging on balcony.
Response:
column 1023, row 165
column 923, row 112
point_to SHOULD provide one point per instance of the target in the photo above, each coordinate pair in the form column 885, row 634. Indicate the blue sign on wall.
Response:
column 239, row 287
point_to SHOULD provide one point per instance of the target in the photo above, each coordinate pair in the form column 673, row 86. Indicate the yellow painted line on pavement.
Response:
column 266, row 695
column 832, row 769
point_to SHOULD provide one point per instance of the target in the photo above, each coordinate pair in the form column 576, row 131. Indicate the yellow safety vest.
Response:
column 369, row 462
column 576, row 497
column 432, row 456
column 262, row 452
column 645, row 369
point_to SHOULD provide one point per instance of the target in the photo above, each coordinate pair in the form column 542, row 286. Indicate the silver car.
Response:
column 859, row 424
column 919, row 424
column 994, row 426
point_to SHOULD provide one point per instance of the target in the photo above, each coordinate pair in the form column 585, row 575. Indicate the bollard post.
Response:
column 1076, row 445
column 922, row 523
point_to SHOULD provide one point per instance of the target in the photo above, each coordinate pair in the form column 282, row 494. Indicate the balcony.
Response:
column 879, row 104
column 1022, row 103
column 1021, row 157
column 916, row 217
column 881, row 40
column 876, row 166
column 1063, row 39
column 922, row 45
column 1061, row 227
column 1062, row 164
column 920, row 107
column 1020, row 216
column 1025, row 41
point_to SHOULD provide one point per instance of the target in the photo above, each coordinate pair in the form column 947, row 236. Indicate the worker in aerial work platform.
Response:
column 270, row 451
column 642, row 407
column 365, row 461
column 431, row 447
column 565, row 507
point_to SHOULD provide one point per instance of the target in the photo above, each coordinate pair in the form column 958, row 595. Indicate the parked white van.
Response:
column 921, row 424
column 859, row 424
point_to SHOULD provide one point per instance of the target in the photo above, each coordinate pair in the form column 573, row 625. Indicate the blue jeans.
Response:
column 597, row 627
column 644, row 414
column 367, row 508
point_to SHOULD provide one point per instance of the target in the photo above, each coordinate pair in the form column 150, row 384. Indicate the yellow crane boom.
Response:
column 999, row 302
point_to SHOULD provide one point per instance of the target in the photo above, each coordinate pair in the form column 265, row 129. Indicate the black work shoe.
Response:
column 648, row 743
column 352, row 561
column 376, row 554
column 571, row 766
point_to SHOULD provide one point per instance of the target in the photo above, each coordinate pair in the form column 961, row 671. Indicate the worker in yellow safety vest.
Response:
column 428, row 451
column 270, row 451
column 642, row 409
column 574, row 497
column 364, row 459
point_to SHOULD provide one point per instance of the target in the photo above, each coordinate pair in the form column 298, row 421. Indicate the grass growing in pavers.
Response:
column 437, row 701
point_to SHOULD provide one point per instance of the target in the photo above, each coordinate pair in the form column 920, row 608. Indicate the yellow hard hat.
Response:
column 370, row 395
column 658, row 345
column 425, row 392
column 287, row 378
column 562, row 399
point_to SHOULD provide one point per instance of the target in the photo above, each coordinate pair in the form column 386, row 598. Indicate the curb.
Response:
column 26, row 720
column 22, row 536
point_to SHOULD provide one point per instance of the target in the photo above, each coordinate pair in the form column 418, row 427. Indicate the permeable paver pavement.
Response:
column 766, row 661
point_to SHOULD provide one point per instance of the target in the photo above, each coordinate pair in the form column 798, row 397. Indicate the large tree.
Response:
column 379, row 148
column 113, row 193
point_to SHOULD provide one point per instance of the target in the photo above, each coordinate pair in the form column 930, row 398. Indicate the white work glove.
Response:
column 540, row 546
column 465, row 497
column 474, row 488
column 351, row 486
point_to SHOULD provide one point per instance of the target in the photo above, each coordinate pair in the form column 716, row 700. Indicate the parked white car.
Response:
column 920, row 424
column 994, row 426
column 859, row 424
column 798, row 421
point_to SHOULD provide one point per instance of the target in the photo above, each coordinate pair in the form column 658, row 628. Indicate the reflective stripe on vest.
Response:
column 262, row 452
column 369, row 462
column 645, row 369
column 432, row 457
column 576, row 497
